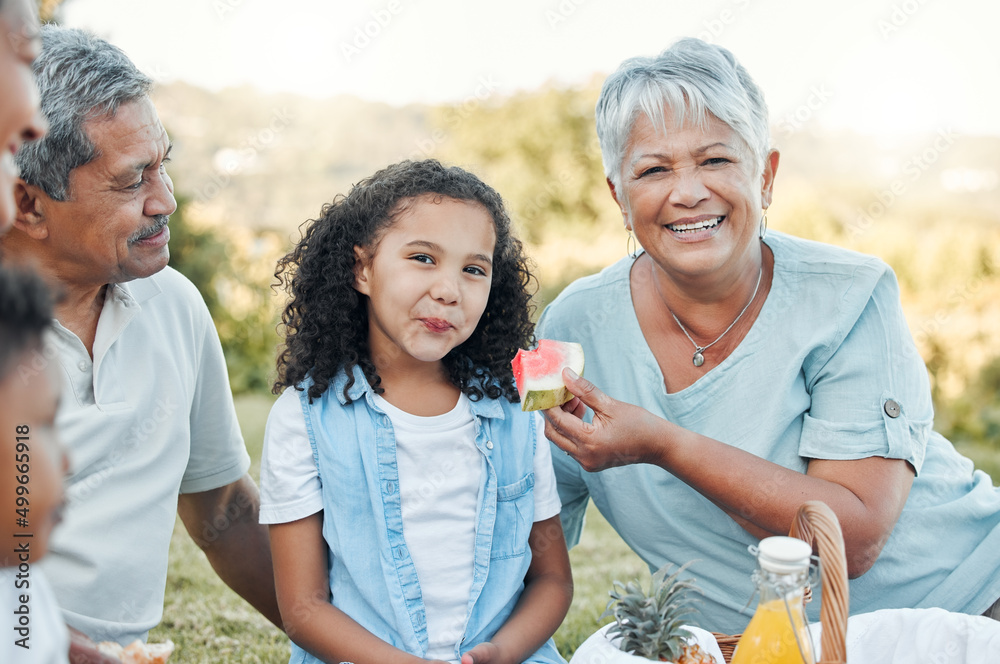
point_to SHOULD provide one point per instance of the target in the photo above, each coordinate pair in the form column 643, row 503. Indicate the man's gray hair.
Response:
column 80, row 77
column 691, row 78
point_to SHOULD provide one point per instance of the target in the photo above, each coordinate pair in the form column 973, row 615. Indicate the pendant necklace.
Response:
column 698, row 358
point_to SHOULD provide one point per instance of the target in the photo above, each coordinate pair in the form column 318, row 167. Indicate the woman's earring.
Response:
column 630, row 247
column 763, row 225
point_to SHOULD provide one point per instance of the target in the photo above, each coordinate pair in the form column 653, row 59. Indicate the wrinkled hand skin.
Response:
column 617, row 436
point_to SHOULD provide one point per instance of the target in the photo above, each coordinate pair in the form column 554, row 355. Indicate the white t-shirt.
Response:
column 44, row 639
column 440, row 476
column 150, row 416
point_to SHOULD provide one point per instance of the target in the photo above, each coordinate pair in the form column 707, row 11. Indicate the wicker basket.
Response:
column 816, row 523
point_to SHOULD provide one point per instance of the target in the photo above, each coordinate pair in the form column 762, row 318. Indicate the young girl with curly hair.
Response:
column 412, row 504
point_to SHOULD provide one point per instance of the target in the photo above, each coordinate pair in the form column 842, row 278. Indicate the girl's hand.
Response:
column 619, row 435
column 484, row 653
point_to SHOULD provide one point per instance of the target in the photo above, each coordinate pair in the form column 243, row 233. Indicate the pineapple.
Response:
column 650, row 625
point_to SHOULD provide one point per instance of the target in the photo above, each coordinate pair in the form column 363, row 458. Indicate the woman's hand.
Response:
column 620, row 433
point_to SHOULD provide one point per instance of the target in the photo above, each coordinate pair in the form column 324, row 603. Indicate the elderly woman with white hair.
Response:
column 733, row 374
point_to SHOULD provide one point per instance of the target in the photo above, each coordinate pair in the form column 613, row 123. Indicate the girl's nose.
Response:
column 445, row 289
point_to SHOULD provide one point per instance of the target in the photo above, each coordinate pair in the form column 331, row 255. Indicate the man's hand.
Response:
column 82, row 650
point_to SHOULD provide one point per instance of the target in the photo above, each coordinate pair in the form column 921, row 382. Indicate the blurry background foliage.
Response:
column 928, row 205
column 249, row 169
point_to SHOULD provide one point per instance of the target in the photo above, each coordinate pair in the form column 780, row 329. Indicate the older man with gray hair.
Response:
column 146, row 410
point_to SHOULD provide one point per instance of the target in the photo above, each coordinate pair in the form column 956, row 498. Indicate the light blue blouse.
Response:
column 828, row 371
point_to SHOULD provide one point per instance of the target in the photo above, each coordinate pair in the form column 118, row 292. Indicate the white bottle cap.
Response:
column 783, row 555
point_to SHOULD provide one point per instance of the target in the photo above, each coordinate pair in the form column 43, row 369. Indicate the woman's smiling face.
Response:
column 693, row 195
column 20, row 119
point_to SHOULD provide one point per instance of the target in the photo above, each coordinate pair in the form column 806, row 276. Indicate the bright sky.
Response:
column 878, row 66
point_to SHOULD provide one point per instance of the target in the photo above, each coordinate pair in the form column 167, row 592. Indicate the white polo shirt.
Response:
column 149, row 417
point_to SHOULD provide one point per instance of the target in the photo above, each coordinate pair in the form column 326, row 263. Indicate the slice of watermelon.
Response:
column 538, row 373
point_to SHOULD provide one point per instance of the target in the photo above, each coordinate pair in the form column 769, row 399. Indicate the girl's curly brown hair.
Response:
column 326, row 320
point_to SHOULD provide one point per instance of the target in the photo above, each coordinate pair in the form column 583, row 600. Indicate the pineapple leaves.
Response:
column 650, row 624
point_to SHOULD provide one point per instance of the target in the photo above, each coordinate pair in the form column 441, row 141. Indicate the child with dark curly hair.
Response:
column 32, row 466
column 412, row 505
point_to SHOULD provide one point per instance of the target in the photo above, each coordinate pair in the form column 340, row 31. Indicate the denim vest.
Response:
column 372, row 576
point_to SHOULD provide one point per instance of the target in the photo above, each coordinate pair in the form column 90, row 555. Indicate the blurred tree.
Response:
column 233, row 273
column 974, row 417
column 539, row 150
column 47, row 10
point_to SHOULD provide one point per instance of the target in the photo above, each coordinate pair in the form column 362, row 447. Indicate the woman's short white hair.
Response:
column 693, row 79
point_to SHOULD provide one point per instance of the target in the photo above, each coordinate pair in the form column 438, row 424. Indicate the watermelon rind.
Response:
column 549, row 391
column 542, row 399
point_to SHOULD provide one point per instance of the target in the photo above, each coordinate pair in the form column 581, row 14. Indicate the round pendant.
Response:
column 698, row 359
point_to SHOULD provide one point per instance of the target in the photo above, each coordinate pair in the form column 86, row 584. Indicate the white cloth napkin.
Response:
column 598, row 649
column 919, row 636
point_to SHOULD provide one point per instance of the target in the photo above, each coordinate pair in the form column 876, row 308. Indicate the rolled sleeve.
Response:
column 871, row 398
column 890, row 438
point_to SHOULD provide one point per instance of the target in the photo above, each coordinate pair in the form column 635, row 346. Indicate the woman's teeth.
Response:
column 697, row 226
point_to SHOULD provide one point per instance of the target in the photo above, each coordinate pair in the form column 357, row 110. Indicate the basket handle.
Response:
column 816, row 522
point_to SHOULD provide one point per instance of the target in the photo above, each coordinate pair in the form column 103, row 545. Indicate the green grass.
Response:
column 209, row 623
column 600, row 558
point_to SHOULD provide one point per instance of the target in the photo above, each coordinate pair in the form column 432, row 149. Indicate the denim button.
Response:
column 489, row 444
column 891, row 408
column 389, row 488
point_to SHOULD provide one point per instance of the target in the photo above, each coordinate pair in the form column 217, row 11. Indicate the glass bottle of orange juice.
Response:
column 778, row 632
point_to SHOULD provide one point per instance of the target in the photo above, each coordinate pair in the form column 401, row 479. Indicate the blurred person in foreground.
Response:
column 20, row 119
column 733, row 374
column 31, row 468
column 146, row 410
